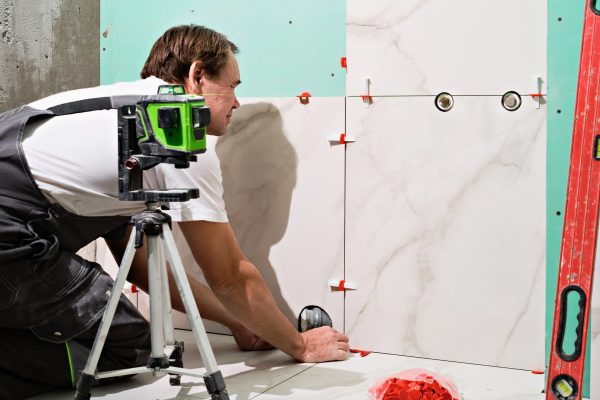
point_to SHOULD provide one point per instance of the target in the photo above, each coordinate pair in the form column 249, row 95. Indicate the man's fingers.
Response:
column 341, row 355
column 344, row 346
column 339, row 335
column 342, row 350
column 342, row 338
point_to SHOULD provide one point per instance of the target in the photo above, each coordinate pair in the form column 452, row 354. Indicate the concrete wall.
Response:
column 46, row 47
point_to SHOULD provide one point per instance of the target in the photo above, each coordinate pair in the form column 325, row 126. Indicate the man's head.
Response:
column 203, row 61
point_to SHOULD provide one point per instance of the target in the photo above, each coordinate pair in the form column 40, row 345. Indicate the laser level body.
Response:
column 171, row 124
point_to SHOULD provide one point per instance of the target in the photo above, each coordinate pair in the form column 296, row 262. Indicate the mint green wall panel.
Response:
column 565, row 27
column 286, row 47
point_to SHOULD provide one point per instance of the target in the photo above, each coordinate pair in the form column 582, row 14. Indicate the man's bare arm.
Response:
column 209, row 306
column 242, row 290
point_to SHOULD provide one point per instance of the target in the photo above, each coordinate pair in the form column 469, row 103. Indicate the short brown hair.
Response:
column 174, row 52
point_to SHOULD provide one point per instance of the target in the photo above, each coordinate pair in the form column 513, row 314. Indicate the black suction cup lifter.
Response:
column 313, row 317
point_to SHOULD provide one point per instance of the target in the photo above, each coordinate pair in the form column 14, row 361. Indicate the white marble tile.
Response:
column 446, row 230
column 284, row 194
column 246, row 374
column 352, row 379
column 429, row 46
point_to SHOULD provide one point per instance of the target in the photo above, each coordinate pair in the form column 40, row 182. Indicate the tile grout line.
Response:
column 345, row 206
column 282, row 382
column 452, row 361
column 433, row 95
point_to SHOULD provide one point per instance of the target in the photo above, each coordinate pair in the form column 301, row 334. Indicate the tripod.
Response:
column 155, row 224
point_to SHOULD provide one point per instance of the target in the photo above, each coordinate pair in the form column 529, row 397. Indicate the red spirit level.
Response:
column 580, row 230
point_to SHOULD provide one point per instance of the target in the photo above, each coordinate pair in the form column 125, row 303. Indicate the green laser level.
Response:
column 169, row 127
column 172, row 123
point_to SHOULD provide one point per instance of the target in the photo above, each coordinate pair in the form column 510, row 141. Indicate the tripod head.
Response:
column 166, row 128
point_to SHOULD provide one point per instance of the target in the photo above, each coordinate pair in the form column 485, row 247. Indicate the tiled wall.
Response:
column 439, row 218
column 445, row 218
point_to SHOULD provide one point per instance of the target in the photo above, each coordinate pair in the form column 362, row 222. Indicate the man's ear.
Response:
column 193, row 83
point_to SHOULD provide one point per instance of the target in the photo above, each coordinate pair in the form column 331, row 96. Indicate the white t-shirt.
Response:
column 73, row 159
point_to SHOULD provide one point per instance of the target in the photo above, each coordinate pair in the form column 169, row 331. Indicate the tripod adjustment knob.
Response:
column 139, row 238
column 150, row 223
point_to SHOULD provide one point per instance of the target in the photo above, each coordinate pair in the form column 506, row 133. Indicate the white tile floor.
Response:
column 273, row 375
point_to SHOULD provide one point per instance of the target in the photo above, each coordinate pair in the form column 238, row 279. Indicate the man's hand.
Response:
column 324, row 344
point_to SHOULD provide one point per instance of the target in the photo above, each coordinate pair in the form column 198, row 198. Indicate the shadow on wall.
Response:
column 259, row 174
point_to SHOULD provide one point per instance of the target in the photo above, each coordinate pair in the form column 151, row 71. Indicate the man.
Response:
column 59, row 192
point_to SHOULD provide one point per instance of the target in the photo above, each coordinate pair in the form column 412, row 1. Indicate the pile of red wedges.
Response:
column 414, row 384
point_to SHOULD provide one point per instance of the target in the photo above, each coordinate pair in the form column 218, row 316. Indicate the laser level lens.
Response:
column 171, row 89
column 168, row 118
column 197, row 120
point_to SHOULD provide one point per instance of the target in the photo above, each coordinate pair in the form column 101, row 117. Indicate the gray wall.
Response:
column 46, row 47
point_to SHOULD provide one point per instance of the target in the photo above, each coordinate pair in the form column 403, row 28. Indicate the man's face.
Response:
column 219, row 93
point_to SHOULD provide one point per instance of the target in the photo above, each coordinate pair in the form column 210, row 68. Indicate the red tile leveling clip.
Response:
column 304, row 96
column 363, row 353
column 367, row 98
column 342, row 285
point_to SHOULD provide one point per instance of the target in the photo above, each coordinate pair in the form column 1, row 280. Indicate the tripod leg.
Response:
column 157, row 359
column 176, row 360
column 215, row 384
column 176, row 354
column 87, row 376
column 166, row 302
